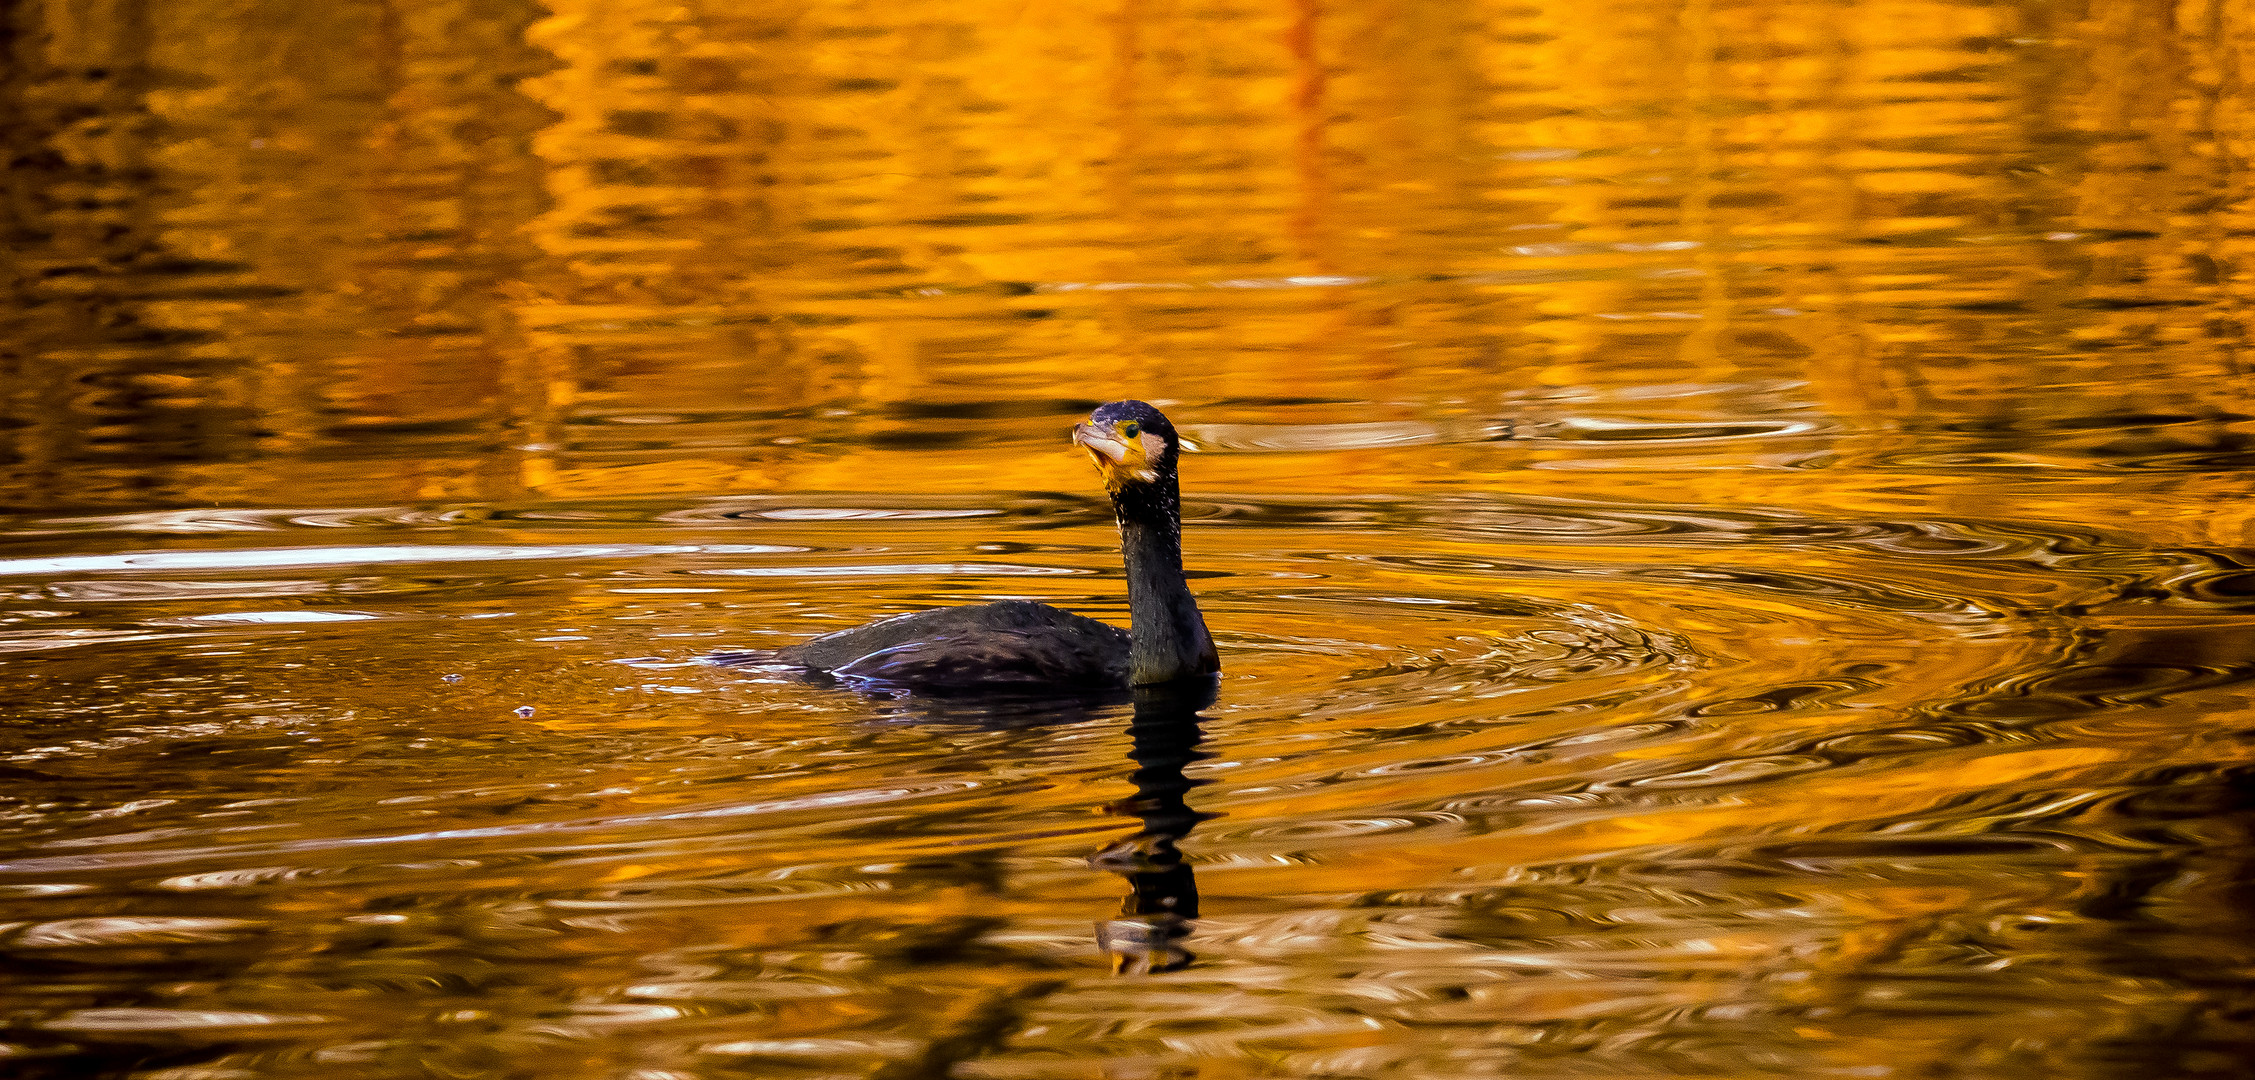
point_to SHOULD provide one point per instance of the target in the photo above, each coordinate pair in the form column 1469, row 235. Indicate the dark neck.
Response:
column 1170, row 640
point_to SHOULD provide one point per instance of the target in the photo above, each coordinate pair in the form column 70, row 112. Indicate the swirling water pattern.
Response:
column 1488, row 780
column 1727, row 530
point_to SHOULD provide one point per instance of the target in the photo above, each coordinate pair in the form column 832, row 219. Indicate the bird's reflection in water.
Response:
column 1162, row 899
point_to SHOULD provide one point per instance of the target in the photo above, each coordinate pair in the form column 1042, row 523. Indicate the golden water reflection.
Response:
column 485, row 252
column 1727, row 525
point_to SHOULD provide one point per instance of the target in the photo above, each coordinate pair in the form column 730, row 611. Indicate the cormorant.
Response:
column 1019, row 645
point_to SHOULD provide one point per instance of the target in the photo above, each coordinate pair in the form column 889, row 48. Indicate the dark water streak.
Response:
column 1162, row 902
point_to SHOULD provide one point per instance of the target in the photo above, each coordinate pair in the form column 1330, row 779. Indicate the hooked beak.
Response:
column 1104, row 448
column 1119, row 460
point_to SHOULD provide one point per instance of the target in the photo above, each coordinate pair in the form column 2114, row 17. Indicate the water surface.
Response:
column 1726, row 525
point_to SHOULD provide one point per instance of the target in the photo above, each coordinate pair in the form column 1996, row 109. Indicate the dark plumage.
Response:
column 1014, row 643
column 1024, row 646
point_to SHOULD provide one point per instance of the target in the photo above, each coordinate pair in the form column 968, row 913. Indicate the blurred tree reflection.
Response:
column 449, row 250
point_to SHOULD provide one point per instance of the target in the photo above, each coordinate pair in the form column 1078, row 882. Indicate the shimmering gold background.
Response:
column 267, row 254
column 1855, row 393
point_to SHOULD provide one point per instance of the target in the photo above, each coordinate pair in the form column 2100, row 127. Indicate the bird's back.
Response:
column 1013, row 643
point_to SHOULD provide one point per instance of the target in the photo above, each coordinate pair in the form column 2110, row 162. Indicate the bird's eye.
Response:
column 1131, row 429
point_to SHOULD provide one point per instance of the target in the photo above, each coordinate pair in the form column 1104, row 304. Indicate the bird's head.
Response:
column 1130, row 442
